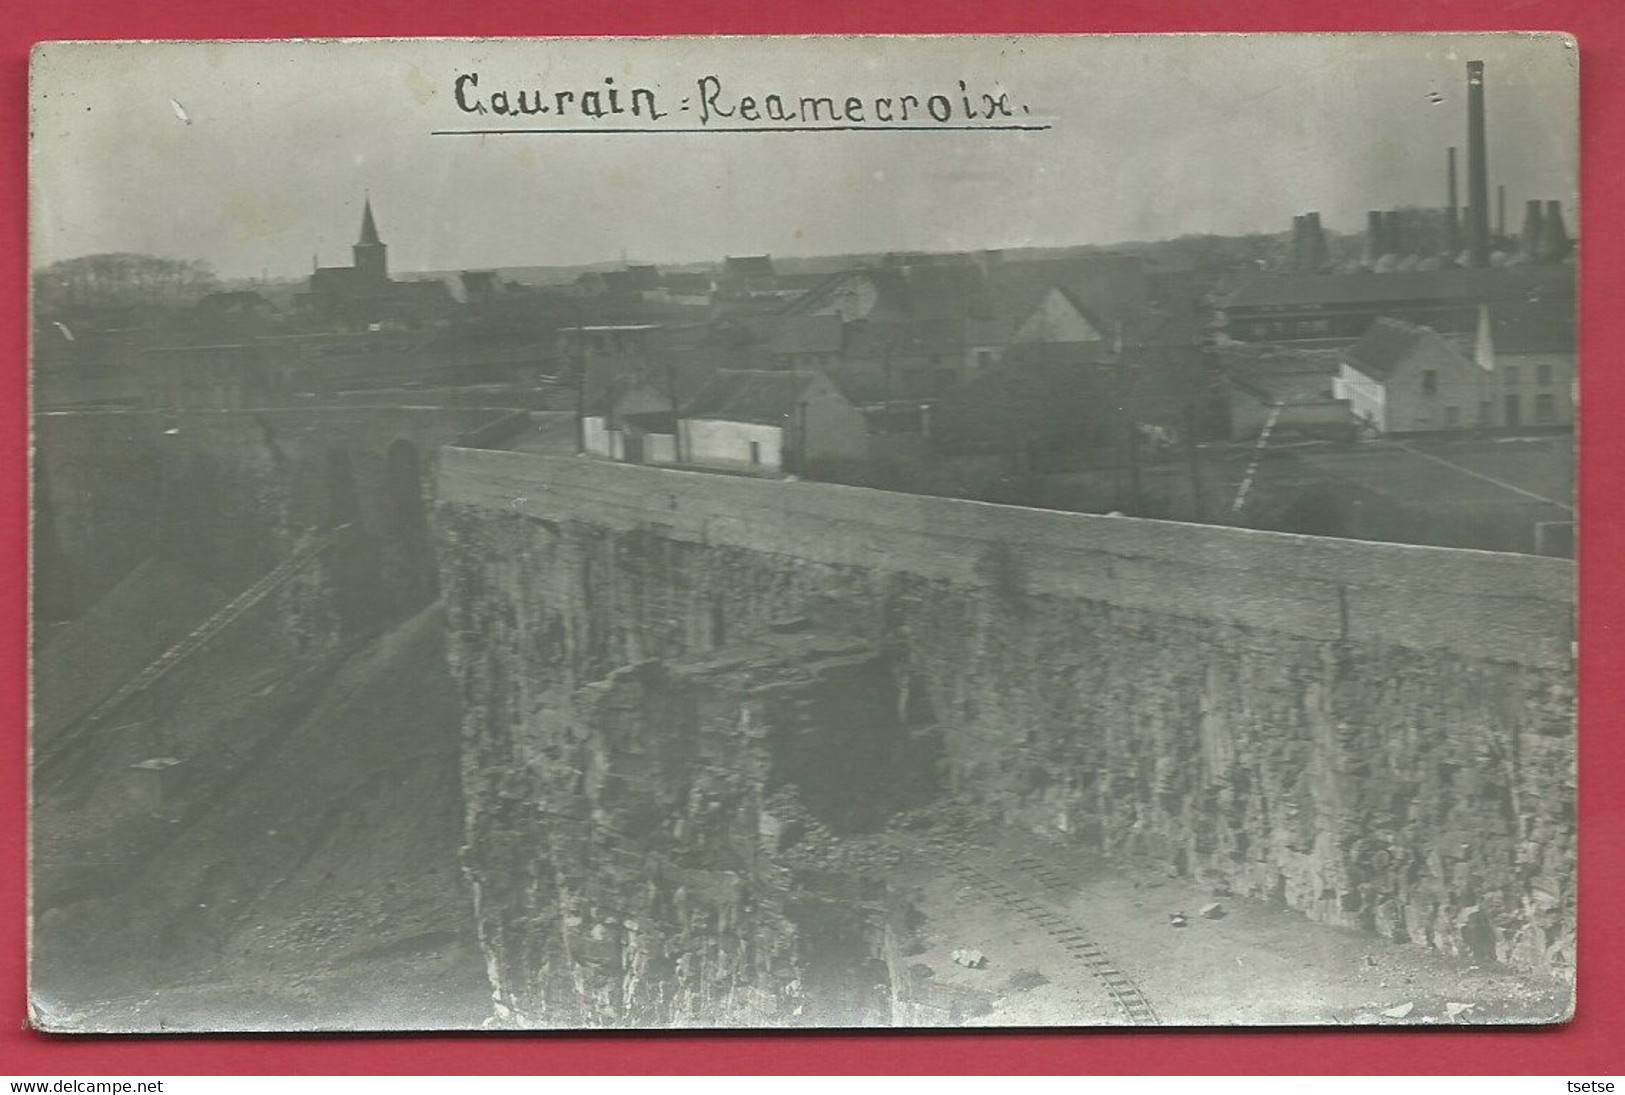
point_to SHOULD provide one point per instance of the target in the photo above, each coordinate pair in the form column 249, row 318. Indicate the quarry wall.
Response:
column 1378, row 736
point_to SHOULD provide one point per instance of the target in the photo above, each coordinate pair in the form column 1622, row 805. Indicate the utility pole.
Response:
column 581, row 385
column 801, row 432
column 798, row 421
column 676, row 412
column 1127, row 428
column 1198, row 506
column 1117, row 430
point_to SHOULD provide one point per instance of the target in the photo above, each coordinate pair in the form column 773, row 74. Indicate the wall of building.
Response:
column 720, row 444
column 1378, row 736
column 1479, row 396
column 596, row 435
column 1057, row 320
column 659, row 448
column 836, row 430
column 1460, row 388
column 1367, row 398
column 1528, row 370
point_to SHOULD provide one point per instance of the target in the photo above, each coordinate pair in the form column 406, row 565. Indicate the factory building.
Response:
column 1431, row 267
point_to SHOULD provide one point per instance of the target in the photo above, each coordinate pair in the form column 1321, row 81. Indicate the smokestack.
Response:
column 1478, row 170
column 1534, row 230
column 1373, row 237
column 1452, row 227
column 1318, row 254
column 1501, row 211
column 1300, row 244
column 1555, row 239
column 1393, row 235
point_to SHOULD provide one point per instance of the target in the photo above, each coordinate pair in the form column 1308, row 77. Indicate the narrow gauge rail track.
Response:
column 1130, row 999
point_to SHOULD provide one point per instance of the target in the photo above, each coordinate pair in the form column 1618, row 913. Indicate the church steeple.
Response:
column 369, row 230
column 371, row 256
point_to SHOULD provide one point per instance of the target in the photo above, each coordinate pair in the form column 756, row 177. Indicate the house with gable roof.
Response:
column 768, row 422
column 1402, row 377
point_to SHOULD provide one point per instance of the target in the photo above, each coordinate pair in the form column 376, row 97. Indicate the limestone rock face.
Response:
column 643, row 848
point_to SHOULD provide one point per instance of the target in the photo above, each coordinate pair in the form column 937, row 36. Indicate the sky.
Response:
column 255, row 157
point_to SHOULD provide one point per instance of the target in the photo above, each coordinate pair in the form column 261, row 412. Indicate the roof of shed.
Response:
column 751, row 395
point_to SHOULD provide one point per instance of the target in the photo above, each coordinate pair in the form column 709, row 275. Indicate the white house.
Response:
column 636, row 424
column 1405, row 378
column 1530, row 351
column 769, row 421
column 1402, row 377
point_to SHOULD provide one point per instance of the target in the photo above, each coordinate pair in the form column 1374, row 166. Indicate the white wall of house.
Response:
column 1453, row 399
column 659, row 448
column 1521, row 390
column 720, row 444
column 596, row 434
column 1366, row 397
column 1056, row 320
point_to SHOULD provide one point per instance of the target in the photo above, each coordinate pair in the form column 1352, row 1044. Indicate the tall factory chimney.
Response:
column 1452, row 226
column 1534, row 230
column 1478, row 170
column 1393, row 234
column 1300, row 245
column 1317, row 253
column 1500, row 211
column 1555, row 239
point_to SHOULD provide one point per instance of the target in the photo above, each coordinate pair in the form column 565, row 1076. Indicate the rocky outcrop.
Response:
column 638, row 860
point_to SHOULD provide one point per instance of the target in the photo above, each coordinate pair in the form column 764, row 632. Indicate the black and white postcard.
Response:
column 803, row 532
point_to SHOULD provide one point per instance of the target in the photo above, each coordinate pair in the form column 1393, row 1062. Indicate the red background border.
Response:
column 1589, row 1045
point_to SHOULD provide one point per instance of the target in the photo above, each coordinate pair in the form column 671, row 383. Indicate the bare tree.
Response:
column 94, row 283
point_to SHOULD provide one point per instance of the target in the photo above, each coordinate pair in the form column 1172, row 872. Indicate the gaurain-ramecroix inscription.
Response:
column 710, row 102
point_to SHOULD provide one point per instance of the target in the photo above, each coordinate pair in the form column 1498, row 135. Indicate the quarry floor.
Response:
column 1252, row 964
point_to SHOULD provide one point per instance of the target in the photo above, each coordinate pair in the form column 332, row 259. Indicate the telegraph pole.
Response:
column 1196, row 389
column 801, row 435
column 581, row 385
column 676, row 412
column 1127, row 428
column 1195, row 457
column 799, row 421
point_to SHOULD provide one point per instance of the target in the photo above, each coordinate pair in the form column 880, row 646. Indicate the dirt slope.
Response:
column 78, row 663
